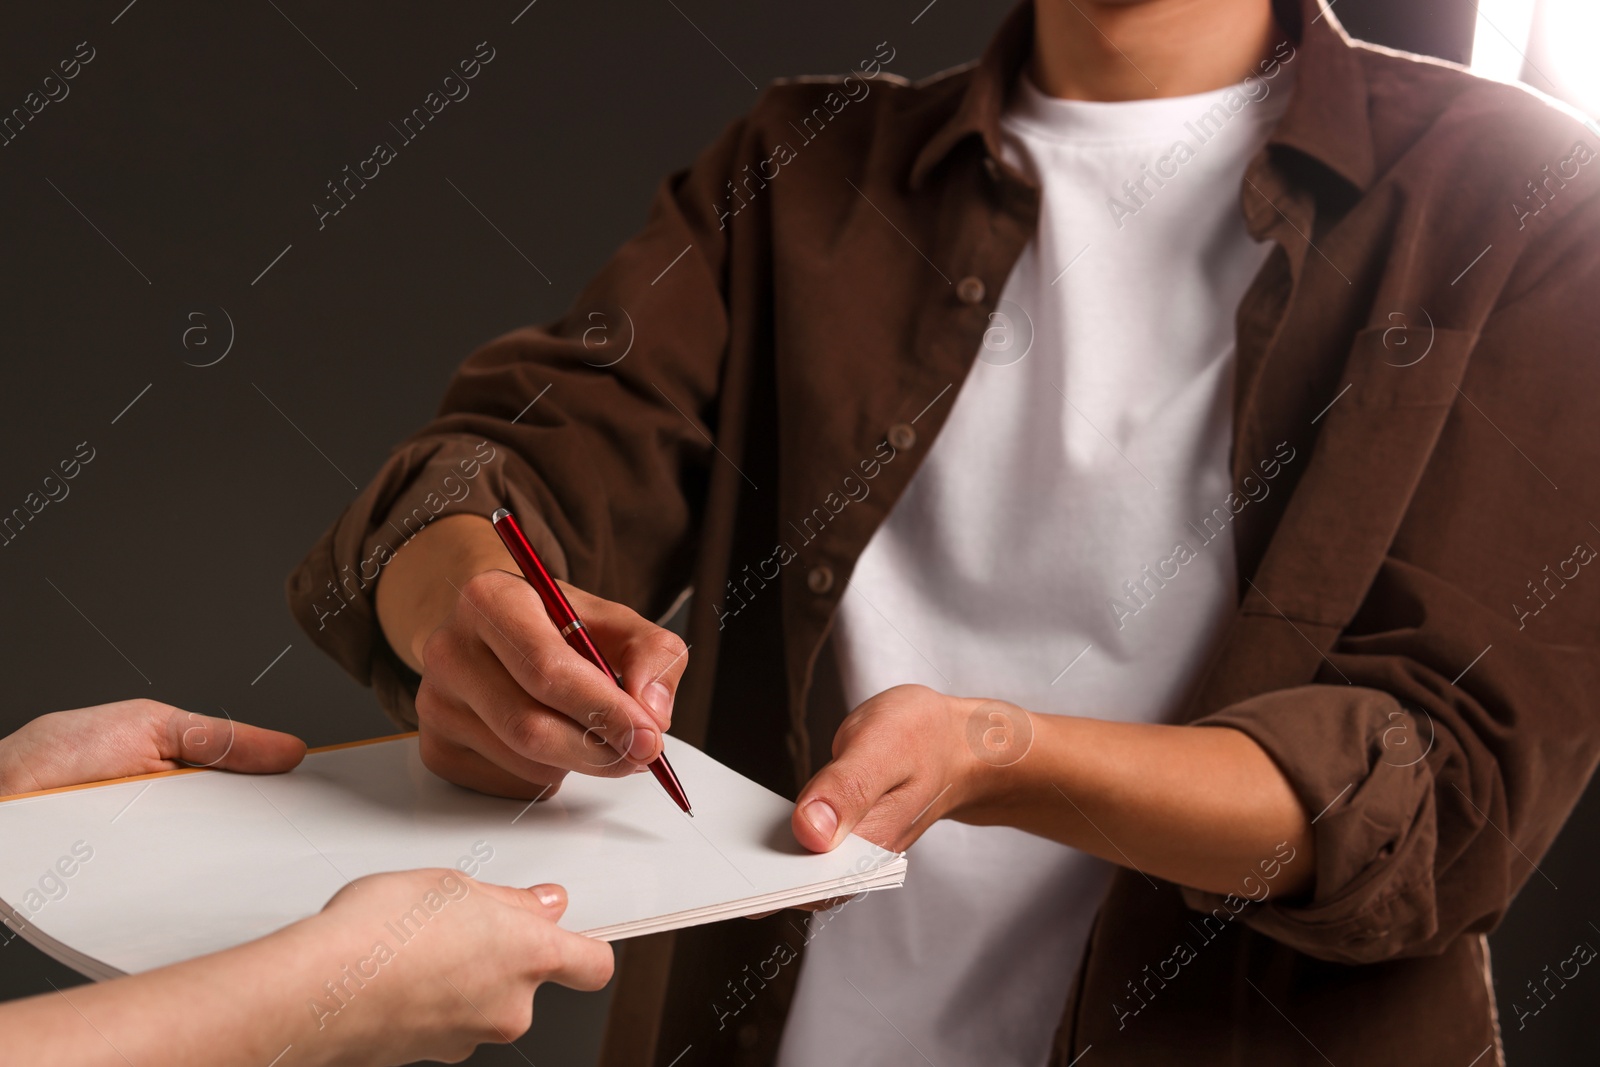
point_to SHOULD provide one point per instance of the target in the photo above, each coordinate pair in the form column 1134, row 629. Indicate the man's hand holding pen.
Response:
column 505, row 705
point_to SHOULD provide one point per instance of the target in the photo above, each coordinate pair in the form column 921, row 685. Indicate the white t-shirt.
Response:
column 1093, row 430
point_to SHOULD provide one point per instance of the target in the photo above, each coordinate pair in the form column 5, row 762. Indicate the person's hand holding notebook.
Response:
column 459, row 969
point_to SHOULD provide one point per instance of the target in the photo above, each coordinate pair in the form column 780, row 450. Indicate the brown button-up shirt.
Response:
column 1415, row 640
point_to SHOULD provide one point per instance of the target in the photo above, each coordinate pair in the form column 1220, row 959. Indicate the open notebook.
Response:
column 130, row 875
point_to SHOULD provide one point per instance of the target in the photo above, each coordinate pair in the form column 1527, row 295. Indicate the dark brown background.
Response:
column 196, row 142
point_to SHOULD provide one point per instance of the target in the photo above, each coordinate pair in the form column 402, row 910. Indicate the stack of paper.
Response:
column 126, row 876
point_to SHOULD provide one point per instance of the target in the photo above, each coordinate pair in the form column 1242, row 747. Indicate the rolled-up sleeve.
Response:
column 1432, row 795
column 1347, row 750
column 1451, row 728
column 331, row 591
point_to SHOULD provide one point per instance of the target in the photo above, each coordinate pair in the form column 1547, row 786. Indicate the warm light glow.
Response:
column 1569, row 34
column 1501, row 37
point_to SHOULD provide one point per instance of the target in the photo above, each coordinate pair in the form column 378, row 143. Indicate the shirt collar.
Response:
column 1326, row 118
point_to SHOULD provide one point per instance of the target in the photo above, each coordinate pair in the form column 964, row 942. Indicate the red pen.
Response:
column 572, row 629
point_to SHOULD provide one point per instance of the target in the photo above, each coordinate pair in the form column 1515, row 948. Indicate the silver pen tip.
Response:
column 500, row 513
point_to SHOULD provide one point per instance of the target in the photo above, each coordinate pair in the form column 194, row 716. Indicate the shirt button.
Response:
column 970, row 290
column 902, row 436
column 820, row 580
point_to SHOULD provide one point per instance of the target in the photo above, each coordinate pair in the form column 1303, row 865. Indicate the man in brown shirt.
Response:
column 1398, row 701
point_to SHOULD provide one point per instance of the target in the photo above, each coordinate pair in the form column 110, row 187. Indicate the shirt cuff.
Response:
column 1355, row 758
column 332, row 592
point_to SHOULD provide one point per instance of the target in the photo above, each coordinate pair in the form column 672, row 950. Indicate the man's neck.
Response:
column 1135, row 49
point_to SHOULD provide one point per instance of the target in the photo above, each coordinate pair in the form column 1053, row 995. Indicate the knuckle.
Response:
column 852, row 725
column 436, row 755
column 172, row 724
column 852, row 788
column 484, row 597
column 577, row 689
column 170, row 721
column 430, row 701
column 530, row 732
column 440, row 652
column 154, row 709
column 668, row 645
column 908, row 693
column 548, row 664
column 482, row 585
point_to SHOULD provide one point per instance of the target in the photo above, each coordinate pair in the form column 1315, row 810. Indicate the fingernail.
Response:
column 643, row 746
column 820, row 814
column 549, row 896
column 658, row 698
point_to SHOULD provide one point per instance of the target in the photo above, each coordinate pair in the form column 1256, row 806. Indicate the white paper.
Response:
column 179, row 866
